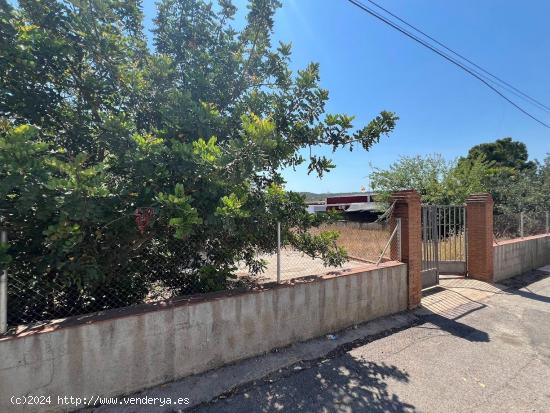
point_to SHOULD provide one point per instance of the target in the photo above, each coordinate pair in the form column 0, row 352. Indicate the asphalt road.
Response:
column 491, row 355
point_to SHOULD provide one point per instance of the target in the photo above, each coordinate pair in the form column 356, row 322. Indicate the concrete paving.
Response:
column 477, row 348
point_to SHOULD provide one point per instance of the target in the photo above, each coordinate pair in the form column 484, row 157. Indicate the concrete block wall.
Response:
column 517, row 256
column 124, row 351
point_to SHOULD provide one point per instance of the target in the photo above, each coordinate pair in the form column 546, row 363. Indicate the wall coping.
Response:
column 405, row 195
column 51, row 326
column 480, row 197
column 518, row 240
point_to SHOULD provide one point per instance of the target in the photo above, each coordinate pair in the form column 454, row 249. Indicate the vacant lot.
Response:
column 295, row 264
column 363, row 243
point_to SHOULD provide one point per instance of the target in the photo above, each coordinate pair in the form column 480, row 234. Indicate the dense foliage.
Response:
column 504, row 152
column 527, row 190
column 501, row 168
column 119, row 163
column 437, row 180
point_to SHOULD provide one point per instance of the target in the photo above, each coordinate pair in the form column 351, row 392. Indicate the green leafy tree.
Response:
column 467, row 176
column 504, row 153
column 527, row 190
column 124, row 167
column 517, row 185
column 424, row 174
column 437, row 181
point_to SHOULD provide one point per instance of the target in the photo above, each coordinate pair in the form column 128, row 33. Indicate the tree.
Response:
column 466, row 177
column 436, row 180
column 425, row 174
column 527, row 190
column 504, row 153
column 124, row 166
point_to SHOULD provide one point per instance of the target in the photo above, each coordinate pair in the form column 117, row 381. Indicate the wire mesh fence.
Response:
column 140, row 270
column 534, row 223
column 363, row 243
column 506, row 226
column 520, row 224
column 150, row 270
column 152, row 273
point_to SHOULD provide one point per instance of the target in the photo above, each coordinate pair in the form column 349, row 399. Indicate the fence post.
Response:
column 407, row 208
column 479, row 236
column 521, row 224
column 3, row 289
column 278, row 252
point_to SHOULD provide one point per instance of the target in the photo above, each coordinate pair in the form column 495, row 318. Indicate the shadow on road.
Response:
column 518, row 285
column 456, row 328
column 345, row 383
column 531, row 295
column 443, row 307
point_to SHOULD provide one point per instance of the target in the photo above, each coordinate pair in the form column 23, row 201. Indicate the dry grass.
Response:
column 451, row 248
column 361, row 243
column 293, row 264
column 368, row 243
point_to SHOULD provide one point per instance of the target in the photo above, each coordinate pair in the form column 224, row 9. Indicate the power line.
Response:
column 507, row 85
column 472, row 72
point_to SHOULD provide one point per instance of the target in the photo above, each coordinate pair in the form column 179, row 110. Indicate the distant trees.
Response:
column 526, row 190
column 502, row 168
column 517, row 184
column 437, row 180
column 503, row 153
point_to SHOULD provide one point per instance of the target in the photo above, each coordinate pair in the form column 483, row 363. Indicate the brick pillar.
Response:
column 408, row 208
column 479, row 225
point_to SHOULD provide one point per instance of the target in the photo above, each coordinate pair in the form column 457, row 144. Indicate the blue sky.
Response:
column 369, row 67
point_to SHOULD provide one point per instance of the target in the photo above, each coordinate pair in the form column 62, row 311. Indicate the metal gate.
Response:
column 443, row 242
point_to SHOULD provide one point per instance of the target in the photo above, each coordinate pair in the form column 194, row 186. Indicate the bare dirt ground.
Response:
column 294, row 264
column 363, row 243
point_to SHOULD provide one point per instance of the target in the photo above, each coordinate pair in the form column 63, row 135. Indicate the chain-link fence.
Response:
column 149, row 270
column 520, row 224
column 37, row 287
column 363, row 243
column 151, row 273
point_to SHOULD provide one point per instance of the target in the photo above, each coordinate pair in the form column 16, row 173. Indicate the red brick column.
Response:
column 408, row 208
column 479, row 225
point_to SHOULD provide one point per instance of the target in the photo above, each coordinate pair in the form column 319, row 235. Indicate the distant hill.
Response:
column 313, row 197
